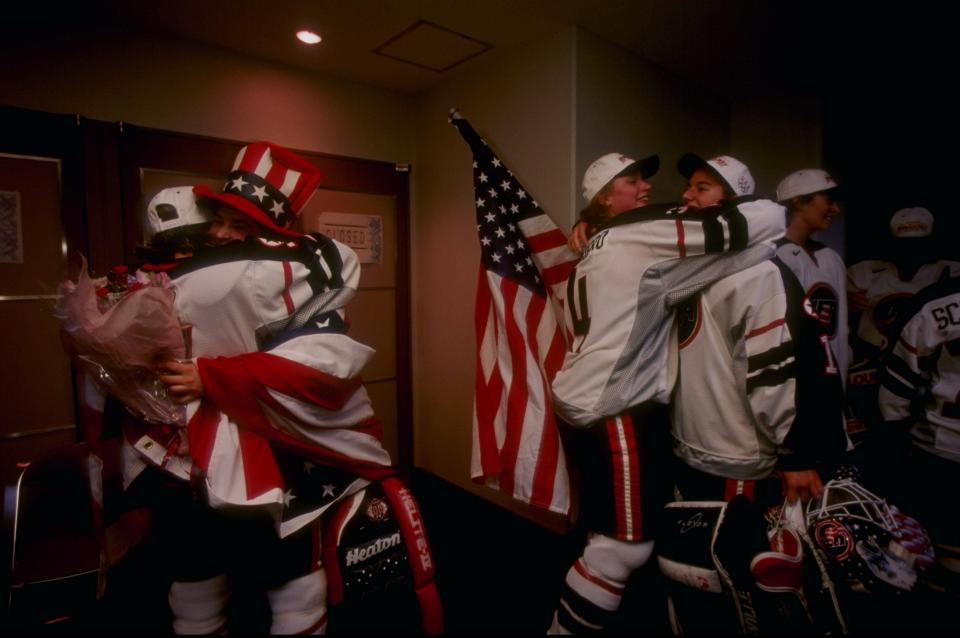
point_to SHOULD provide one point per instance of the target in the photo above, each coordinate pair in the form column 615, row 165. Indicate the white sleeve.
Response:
column 901, row 377
column 741, row 225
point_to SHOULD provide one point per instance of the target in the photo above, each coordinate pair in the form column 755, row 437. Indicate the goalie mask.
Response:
column 872, row 546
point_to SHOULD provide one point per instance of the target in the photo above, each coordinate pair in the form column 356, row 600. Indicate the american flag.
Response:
column 524, row 265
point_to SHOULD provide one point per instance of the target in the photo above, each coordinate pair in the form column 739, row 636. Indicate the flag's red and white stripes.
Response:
column 520, row 347
column 520, row 336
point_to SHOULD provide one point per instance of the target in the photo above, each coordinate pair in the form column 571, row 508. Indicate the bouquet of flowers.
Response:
column 120, row 327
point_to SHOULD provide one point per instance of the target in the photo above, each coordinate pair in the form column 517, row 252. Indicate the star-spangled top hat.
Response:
column 269, row 184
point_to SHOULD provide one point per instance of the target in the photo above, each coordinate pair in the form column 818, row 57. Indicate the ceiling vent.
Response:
column 429, row 46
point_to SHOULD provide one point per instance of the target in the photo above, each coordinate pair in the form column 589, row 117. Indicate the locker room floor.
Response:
column 497, row 573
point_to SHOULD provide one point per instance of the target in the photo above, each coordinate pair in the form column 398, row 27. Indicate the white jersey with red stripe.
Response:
column 244, row 294
column 620, row 298
column 239, row 299
column 921, row 375
column 888, row 292
column 822, row 274
column 735, row 397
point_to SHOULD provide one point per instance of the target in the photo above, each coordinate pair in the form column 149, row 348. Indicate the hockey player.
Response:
column 877, row 290
column 810, row 196
column 747, row 432
column 769, row 378
column 275, row 437
column 622, row 362
column 920, row 392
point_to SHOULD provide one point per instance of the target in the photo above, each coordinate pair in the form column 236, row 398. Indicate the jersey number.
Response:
column 579, row 310
column 831, row 367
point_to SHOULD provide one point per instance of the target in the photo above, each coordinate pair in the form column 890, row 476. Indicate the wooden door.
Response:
column 42, row 227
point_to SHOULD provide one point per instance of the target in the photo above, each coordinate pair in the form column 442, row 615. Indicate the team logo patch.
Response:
column 821, row 304
column 834, row 539
column 887, row 310
column 689, row 320
column 378, row 510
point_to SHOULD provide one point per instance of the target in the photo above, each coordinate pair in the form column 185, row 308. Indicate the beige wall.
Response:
column 180, row 86
column 548, row 111
column 521, row 102
column 631, row 106
column 776, row 134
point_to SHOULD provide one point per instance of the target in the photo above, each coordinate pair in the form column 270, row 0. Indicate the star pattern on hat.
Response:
column 239, row 183
column 260, row 192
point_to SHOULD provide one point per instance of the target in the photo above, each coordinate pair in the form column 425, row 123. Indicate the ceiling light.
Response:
column 308, row 37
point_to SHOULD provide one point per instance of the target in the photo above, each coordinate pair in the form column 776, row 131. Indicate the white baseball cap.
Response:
column 805, row 182
column 174, row 208
column 911, row 222
column 605, row 168
column 731, row 170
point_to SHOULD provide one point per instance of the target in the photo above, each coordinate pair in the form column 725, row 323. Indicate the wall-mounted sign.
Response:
column 363, row 233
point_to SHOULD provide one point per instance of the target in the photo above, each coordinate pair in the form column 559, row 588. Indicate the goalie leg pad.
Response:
column 697, row 597
column 375, row 546
column 687, row 531
column 742, row 553
column 418, row 553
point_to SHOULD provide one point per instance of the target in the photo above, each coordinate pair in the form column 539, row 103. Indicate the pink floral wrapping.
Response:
column 120, row 345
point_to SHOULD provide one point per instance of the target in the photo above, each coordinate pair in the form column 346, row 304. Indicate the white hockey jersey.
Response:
column 921, row 375
column 620, row 298
column 735, row 397
column 822, row 274
column 887, row 293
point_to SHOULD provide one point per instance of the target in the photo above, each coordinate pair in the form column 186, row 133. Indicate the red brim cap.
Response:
column 240, row 204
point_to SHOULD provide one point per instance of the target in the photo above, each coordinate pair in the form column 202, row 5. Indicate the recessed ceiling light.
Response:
column 308, row 37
